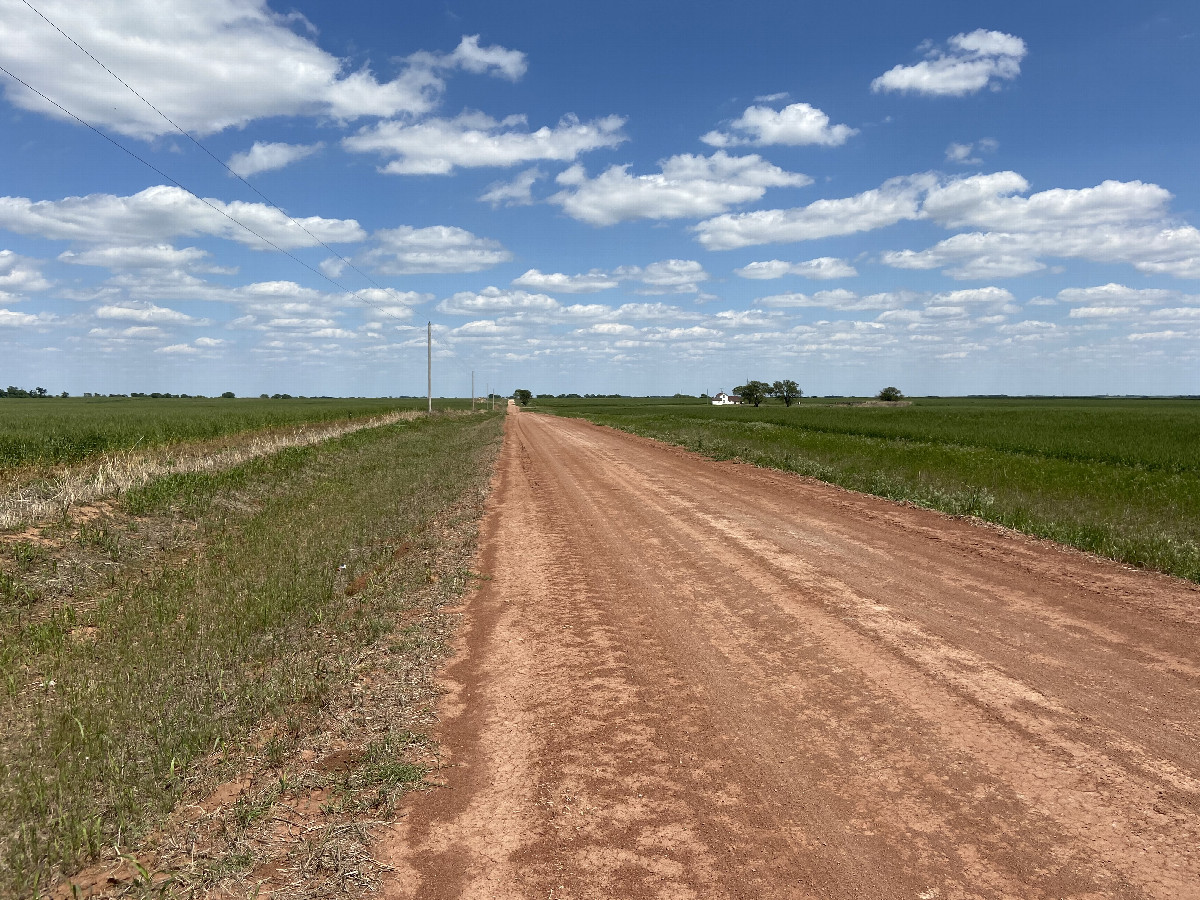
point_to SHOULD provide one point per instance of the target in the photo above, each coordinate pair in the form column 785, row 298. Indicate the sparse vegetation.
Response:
column 1120, row 478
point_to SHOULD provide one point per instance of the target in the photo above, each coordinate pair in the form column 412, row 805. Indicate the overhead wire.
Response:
column 218, row 160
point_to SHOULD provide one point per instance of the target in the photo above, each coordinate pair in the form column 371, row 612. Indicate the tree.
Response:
column 522, row 396
column 787, row 391
column 228, row 395
column 754, row 391
column 890, row 394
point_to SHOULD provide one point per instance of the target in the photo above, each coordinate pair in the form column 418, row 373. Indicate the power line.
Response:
column 181, row 186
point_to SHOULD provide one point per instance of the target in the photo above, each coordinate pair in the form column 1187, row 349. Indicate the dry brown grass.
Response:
column 33, row 496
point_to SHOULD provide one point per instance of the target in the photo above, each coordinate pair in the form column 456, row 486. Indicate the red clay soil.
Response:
column 695, row 679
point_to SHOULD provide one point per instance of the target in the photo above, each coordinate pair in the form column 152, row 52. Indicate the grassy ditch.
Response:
column 149, row 651
column 1120, row 478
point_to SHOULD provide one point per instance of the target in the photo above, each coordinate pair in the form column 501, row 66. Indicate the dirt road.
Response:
column 697, row 679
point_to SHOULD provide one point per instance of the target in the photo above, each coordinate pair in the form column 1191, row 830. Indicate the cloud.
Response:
column 11, row 319
column 267, row 157
column 178, row 350
column 211, row 66
column 485, row 328
column 609, row 329
column 991, row 295
column 670, row 276
column 967, row 65
column 566, row 284
column 987, row 201
column 495, row 60
column 1116, row 295
column 473, row 139
column 795, row 125
column 686, row 187
column 840, row 299
column 961, row 153
column 1152, row 250
column 895, row 200
column 19, row 274
column 156, row 256
column 821, row 268
column 147, row 313
column 494, row 299
column 438, row 248
column 517, row 192
column 1101, row 312
column 1111, row 222
column 160, row 212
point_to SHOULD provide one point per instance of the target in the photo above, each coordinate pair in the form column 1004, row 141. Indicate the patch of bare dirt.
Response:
column 694, row 679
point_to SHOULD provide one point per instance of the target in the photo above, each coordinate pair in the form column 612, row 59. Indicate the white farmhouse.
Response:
column 724, row 399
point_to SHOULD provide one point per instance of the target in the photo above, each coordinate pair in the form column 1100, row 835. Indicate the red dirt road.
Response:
column 692, row 679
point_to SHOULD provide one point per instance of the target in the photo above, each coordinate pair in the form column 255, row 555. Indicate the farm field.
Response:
column 232, row 645
column 1120, row 478
column 68, row 430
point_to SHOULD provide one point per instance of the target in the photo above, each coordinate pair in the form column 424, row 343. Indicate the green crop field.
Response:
column 1120, row 478
column 55, row 430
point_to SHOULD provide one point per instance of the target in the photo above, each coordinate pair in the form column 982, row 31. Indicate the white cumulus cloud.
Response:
column 968, row 64
column 562, row 283
column 160, row 212
column 494, row 299
column 687, row 186
column 895, row 200
column 516, row 192
column 795, row 125
column 19, row 274
column 1112, row 222
column 821, row 268
column 150, row 256
column 211, row 66
column 471, row 140
column 267, row 157
column 437, row 248
column 668, row 276
column 147, row 313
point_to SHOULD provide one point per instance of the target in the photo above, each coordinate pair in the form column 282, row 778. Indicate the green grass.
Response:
column 110, row 704
column 1120, row 478
column 50, row 431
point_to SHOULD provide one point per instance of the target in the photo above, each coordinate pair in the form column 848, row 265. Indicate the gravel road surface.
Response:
column 695, row 679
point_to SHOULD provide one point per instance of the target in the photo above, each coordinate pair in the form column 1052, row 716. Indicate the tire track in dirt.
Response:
column 688, row 678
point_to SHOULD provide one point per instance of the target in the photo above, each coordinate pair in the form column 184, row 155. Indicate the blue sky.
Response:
column 952, row 197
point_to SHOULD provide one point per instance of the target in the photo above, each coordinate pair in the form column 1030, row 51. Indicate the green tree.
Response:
column 890, row 394
column 754, row 391
column 228, row 395
column 787, row 391
column 522, row 396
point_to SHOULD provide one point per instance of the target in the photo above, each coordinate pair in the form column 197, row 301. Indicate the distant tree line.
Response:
column 14, row 391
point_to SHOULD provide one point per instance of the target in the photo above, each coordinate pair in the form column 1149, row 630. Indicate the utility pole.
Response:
column 472, row 390
column 429, row 363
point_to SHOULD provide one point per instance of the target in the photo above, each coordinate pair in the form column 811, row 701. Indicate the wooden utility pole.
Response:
column 429, row 363
column 472, row 390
